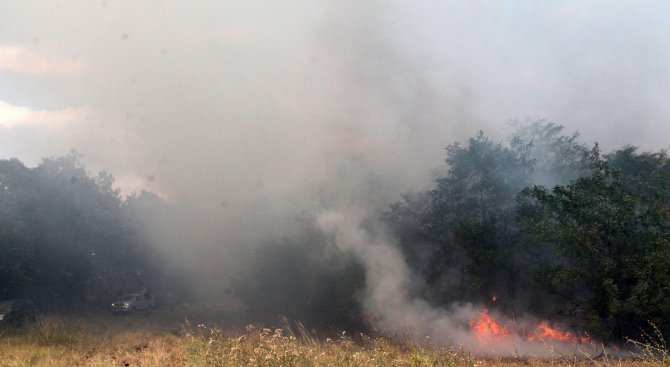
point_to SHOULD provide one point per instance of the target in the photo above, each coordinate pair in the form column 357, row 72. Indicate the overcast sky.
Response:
column 259, row 99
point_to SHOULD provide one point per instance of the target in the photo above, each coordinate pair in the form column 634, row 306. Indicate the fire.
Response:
column 487, row 328
column 545, row 332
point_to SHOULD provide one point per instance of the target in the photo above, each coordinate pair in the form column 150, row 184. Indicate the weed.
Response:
column 58, row 341
column 55, row 330
column 651, row 348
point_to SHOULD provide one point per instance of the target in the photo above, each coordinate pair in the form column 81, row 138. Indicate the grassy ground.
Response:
column 165, row 339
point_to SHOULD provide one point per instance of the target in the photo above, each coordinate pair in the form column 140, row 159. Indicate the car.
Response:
column 132, row 302
column 17, row 310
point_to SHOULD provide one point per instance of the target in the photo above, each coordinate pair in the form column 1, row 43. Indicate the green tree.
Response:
column 461, row 236
column 601, row 248
column 64, row 237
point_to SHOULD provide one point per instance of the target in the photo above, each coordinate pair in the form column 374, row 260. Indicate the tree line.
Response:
column 544, row 224
column 67, row 239
column 539, row 223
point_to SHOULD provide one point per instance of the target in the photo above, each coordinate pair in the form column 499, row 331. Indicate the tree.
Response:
column 462, row 235
column 63, row 235
column 556, row 158
column 457, row 233
column 609, row 247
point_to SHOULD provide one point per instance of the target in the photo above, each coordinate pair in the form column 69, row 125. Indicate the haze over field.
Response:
column 251, row 118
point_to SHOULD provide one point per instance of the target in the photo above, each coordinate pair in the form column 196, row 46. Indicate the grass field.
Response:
column 170, row 339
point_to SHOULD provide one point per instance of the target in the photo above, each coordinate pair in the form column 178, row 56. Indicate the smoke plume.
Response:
column 250, row 118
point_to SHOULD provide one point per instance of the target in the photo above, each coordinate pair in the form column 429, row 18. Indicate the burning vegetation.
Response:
column 486, row 329
column 545, row 332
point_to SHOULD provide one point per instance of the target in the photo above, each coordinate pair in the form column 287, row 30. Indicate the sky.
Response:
column 240, row 96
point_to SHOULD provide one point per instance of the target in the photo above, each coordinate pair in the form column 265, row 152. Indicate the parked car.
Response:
column 132, row 302
column 17, row 311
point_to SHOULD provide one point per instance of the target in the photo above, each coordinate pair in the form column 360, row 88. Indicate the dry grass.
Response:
column 101, row 340
column 651, row 348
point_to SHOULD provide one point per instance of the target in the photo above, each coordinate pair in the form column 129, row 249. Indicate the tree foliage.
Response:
column 543, row 222
column 462, row 234
column 609, row 236
column 64, row 237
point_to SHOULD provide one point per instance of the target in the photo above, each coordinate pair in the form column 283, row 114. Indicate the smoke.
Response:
column 395, row 307
column 389, row 298
column 248, row 117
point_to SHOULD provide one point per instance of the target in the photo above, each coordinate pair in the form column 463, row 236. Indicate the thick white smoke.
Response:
column 392, row 304
column 388, row 298
column 244, row 115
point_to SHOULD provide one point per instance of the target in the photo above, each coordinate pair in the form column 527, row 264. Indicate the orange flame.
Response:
column 487, row 328
column 545, row 332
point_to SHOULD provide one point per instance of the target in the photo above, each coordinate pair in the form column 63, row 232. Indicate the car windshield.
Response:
column 127, row 298
column 6, row 306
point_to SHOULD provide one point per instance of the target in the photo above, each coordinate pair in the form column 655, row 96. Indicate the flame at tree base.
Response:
column 487, row 328
column 545, row 332
column 488, row 331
